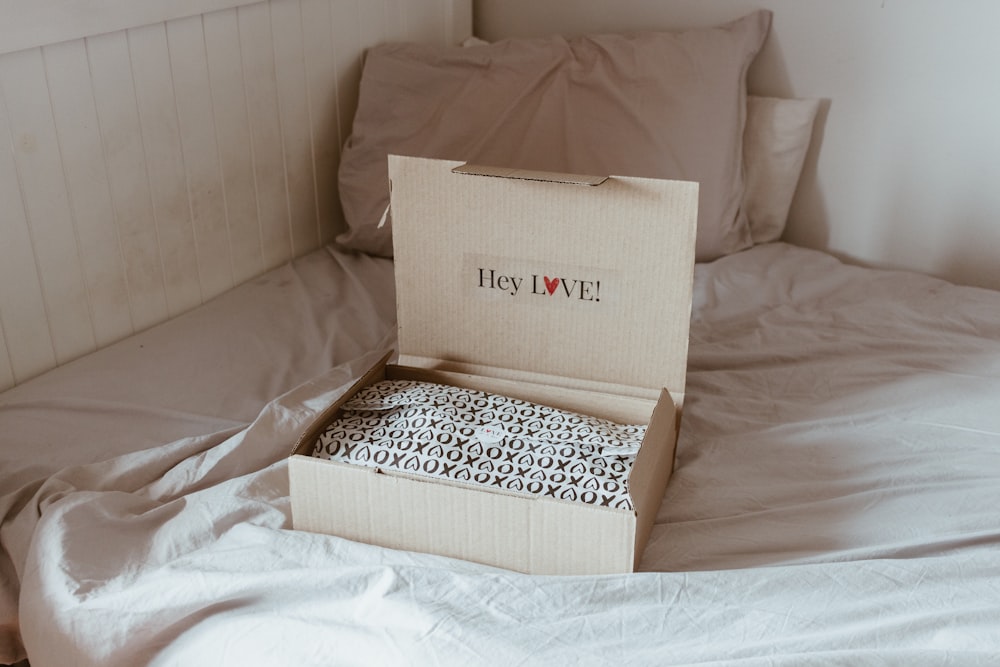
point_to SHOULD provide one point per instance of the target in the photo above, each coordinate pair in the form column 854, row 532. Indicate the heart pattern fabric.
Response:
column 481, row 438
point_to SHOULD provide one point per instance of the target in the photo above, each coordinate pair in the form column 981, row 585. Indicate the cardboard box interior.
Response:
column 543, row 334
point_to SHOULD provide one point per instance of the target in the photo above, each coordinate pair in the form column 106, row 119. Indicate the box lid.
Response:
column 579, row 281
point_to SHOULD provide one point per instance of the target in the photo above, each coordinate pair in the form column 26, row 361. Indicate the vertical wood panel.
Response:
column 346, row 35
column 121, row 140
column 232, row 125
column 456, row 17
column 396, row 20
column 145, row 170
column 296, row 125
column 189, row 67
column 22, row 305
column 265, row 132
column 31, row 23
column 89, row 192
column 373, row 24
column 429, row 24
column 43, row 189
column 165, row 165
column 6, row 372
column 321, row 82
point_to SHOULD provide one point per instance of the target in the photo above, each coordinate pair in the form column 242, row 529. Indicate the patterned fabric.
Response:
column 477, row 437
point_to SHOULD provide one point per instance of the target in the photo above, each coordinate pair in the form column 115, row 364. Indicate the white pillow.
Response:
column 775, row 141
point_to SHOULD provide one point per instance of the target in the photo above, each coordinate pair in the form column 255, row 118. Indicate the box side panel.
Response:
column 620, row 409
column 572, row 539
column 607, row 388
column 653, row 467
column 518, row 533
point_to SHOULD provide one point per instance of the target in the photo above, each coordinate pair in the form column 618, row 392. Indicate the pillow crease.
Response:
column 653, row 104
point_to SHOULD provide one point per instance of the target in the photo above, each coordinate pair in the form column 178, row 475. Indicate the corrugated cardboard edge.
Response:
column 529, row 175
column 534, row 534
column 607, row 388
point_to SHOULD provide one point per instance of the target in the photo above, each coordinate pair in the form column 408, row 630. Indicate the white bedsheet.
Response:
column 210, row 371
column 835, row 502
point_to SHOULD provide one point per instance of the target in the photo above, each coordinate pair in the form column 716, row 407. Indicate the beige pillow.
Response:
column 665, row 105
column 775, row 142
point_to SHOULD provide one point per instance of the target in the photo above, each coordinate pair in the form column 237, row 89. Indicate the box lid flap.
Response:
column 588, row 279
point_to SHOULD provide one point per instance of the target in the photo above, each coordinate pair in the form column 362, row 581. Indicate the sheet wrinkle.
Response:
column 797, row 529
column 134, row 386
column 88, row 406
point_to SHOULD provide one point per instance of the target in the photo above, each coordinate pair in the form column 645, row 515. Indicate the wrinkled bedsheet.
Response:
column 835, row 501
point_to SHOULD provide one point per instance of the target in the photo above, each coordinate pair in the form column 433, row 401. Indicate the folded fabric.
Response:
column 476, row 437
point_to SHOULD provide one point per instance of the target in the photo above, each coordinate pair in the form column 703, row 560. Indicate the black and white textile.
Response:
column 464, row 435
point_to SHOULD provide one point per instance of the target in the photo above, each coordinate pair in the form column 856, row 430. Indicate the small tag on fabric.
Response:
column 619, row 450
column 491, row 434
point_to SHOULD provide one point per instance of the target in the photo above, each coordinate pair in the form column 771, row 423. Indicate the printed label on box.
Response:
column 543, row 284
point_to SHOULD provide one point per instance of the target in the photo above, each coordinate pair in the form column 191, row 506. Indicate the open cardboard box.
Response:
column 574, row 292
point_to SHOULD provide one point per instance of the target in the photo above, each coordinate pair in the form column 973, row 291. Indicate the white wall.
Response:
column 905, row 170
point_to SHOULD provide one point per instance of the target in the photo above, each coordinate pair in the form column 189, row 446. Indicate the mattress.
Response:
column 834, row 499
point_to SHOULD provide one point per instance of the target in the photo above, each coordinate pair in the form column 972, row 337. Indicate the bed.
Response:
column 835, row 490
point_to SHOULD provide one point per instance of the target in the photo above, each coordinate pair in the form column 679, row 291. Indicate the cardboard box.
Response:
column 569, row 291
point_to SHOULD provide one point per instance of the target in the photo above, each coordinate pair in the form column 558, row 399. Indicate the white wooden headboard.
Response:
column 905, row 167
column 154, row 154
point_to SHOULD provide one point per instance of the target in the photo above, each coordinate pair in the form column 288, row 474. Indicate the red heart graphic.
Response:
column 551, row 285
